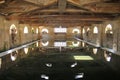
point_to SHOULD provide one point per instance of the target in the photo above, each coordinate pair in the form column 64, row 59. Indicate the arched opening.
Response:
column 95, row 30
column 33, row 30
column 108, row 31
column 44, row 31
column 83, row 31
column 76, row 33
column 60, row 29
column 37, row 31
column 25, row 29
column 95, row 36
column 109, row 36
column 45, row 35
column 13, row 33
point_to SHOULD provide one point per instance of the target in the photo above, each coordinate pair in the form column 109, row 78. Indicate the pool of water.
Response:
column 60, row 61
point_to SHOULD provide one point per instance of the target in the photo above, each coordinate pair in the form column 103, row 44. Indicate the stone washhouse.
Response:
column 95, row 22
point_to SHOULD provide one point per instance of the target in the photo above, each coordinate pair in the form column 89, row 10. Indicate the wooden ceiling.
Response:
column 60, row 12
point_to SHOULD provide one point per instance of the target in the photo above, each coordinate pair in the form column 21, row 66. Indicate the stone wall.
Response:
column 6, row 37
column 102, row 38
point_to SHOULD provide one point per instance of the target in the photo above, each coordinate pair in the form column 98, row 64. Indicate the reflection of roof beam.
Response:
column 62, row 5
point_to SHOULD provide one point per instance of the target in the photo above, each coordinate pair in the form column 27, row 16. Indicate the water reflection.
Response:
column 66, row 64
column 83, row 44
column 45, row 43
column 95, row 50
column 36, row 44
column 76, row 44
column 107, row 56
column 45, row 77
column 79, row 75
column 85, row 57
column 48, row 64
column 88, row 48
column 60, row 44
column 74, row 64
column 26, row 50
column 13, row 56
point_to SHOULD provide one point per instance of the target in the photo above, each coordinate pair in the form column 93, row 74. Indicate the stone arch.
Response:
column 25, row 29
column 13, row 33
column 95, row 30
column 76, row 31
column 44, row 30
column 109, row 35
column 108, row 29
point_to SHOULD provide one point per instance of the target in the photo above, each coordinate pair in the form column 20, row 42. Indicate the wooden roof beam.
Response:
column 62, row 5
column 56, row 24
